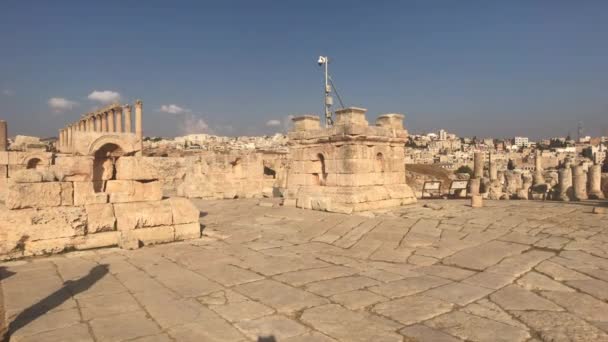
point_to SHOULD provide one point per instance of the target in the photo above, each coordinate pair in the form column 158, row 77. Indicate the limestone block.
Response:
column 4, row 157
column 39, row 195
column 320, row 203
column 3, row 171
column 84, row 193
column 26, row 176
column 305, row 123
column 122, row 191
column 183, row 210
column 136, row 168
column 392, row 120
column 476, row 201
column 67, row 193
column 354, row 166
column 14, row 168
column 100, row 217
column 74, row 168
column 143, row 214
column 99, row 240
column 16, row 158
column 42, row 224
column 350, row 116
column 154, row 235
column 187, row 231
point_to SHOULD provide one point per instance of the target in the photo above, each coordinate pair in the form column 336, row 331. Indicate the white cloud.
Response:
column 173, row 109
column 8, row 92
column 59, row 104
column 104, row 96
column 273, row 123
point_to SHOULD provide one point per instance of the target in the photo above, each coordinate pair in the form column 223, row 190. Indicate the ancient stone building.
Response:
column 351, row 166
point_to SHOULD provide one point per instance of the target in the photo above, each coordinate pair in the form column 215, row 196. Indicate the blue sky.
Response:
column 484, row 68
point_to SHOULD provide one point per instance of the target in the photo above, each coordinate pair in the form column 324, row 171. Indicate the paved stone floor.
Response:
column 511, row 271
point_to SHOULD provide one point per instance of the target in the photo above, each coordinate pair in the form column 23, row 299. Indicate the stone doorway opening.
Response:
column 104, row 165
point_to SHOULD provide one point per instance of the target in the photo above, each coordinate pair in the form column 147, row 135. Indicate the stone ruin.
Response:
column 95, row 193
column 350, row 166
column 571, row 182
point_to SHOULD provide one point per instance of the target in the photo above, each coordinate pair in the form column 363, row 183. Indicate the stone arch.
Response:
column 125, row 146
column 104, row 162
column 33, row 163
column 36, row 160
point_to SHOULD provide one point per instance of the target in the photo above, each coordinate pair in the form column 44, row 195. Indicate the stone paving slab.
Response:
column 510, row 271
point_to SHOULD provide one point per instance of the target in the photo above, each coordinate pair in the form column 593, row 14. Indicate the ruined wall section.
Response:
column 351, row 166
column 67, row 208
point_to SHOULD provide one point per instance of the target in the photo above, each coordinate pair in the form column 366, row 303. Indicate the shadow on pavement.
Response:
column 266, row 339
column 55, row 299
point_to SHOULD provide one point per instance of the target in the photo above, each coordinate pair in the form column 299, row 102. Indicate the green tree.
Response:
column 465, row 169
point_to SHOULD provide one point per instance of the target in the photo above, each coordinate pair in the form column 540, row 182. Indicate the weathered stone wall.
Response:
column 12, row 162
column 45, row 213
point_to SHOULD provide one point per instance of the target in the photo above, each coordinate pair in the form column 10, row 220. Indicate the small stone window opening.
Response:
column 379, row 162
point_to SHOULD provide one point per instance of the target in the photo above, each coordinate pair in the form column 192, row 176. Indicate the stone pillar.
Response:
column 594, row 178
column 139, row 132
column 3, row 136
column 565, row 184
column 128, row 119
column 111, row 126
column 538, row 169
column 476, row 201
column 104, row 122
column 59, row 139
column 492, row 170
column 478, row 165
column 579, row 183
column 69, row 139
column 474, row 185
column 118, row 112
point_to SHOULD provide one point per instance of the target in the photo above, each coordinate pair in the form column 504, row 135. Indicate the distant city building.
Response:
column 521, row 141
column 443, row 135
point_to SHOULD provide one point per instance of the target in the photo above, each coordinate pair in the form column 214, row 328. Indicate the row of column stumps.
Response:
column 109, row 119
column 575, row 182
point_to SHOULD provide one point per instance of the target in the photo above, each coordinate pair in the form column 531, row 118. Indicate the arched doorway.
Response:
column 104, row 164
column 321, row 174
column 34, row 163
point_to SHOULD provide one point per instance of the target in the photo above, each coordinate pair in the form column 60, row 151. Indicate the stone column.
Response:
column 128, row 119
column 579, row 183
column 69, row 139
column 594, row 178
column 3, row 136
column 478, row 165
column 104, row 122
column 59, row 139
column 139, row 132
column 474, row 185
column 492, row 171
column 538, row 169
column 565, row 184
column 118, row 112
column 111, row 125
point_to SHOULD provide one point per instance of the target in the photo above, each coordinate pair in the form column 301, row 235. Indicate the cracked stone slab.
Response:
column 413, row 309
column 345, row 325
column 485, row 255
column 474, row 328
column 281, row 297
